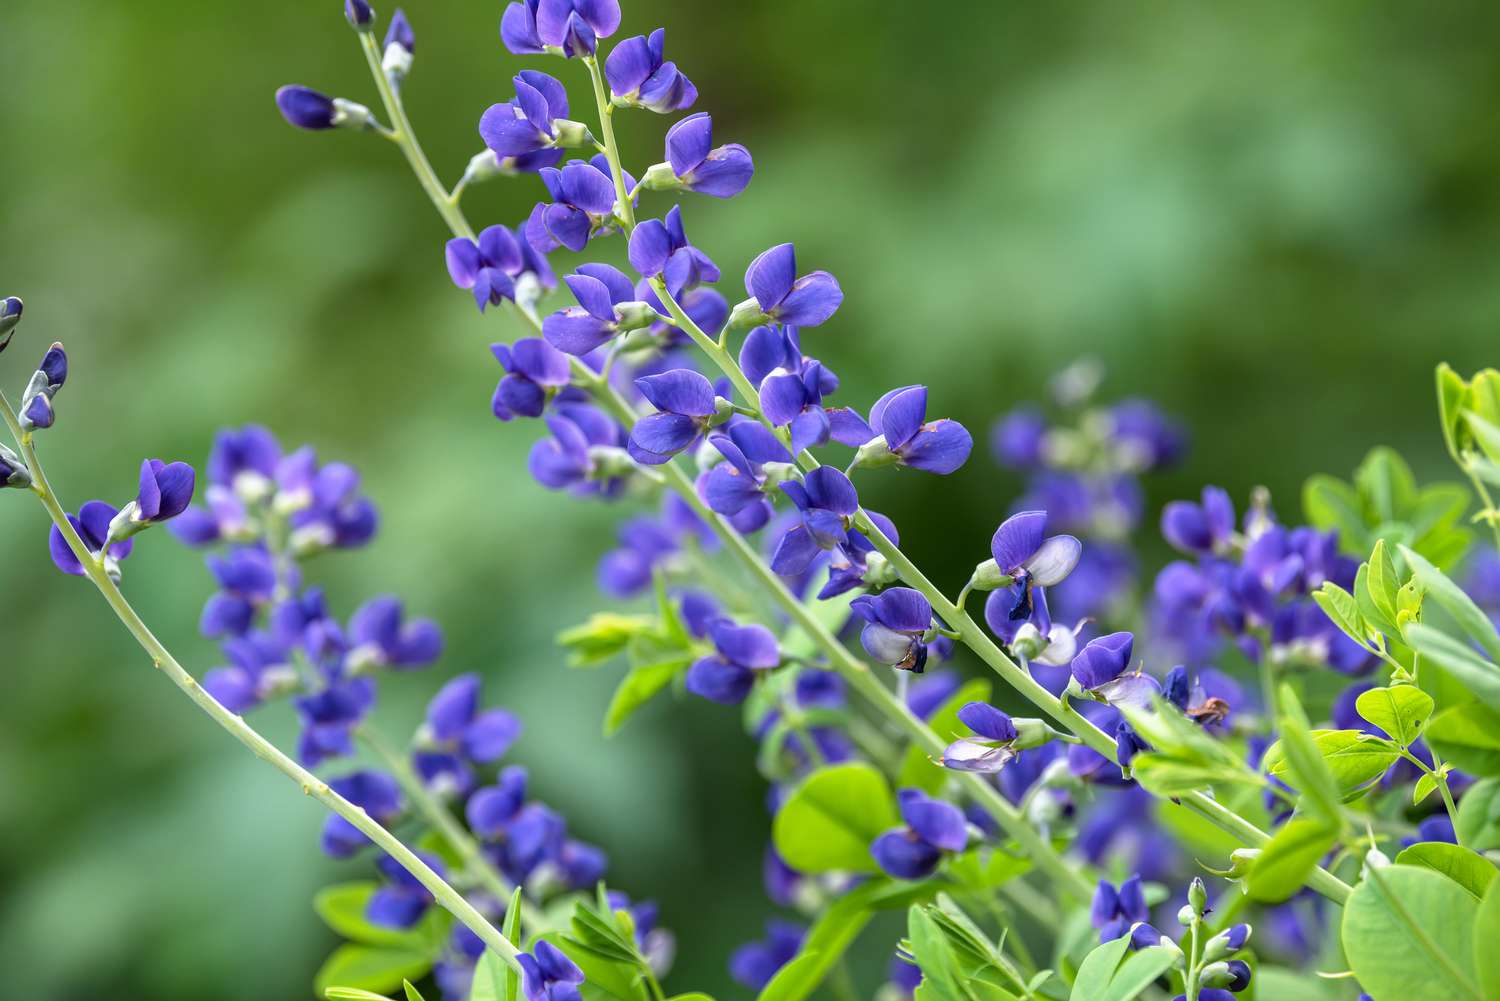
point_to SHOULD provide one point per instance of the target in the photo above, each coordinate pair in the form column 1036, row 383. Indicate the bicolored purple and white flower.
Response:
column 640, row 76
column 896, row 620
column 727, row 675
column 247, row 580
column 487, row 267
column 606, row 306
column 898, row 432
column 260, row 668
column 1102, row 669
column 572, row 27
column 791, row 384
column 381, row 636
column 36, row 412
column 992, row 745
column 933, row 827
column 1202, row 529
column 322, row 504
column 458, row 735
column 685, row 403
column 535, row 372
column 165, row 490
column 1022, row 551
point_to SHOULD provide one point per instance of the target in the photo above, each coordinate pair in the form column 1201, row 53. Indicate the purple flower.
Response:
column 534, row 372
column 402, row 901
column 1438, row 827
column 1115, row 912
column 646, row 543
column 400, row 34
column 783, row 297
column 92, row 525
column 740, row 651
column 259, row 668
column 325, row 505
column 583, row 204
column 13, row 471
column 738, row 487
column 791, row 385
column 685, row 403
column 722, row 172
column 932, row 828
column 1144, row 437
column 600, row 290
column 660, row 247
column 488, row 268
column 457, row 733
column 1022, row 551
column 826, row 500
column 306, row 108
column 377, row 793
column 546, row 973
column 1017, row 439
column 1128, row 743
column 329, row 717
column 575, row 26
column 165, row 492
column 905, row 435
column 36, row 402
column 1200, row 529
column 895, row 621
column 754, row 964
column 379, row 635
column 571, row 458
column 522, row 130
column 244, row 459
column 492, row 809
column 247, row 580
column 990, row 749
column 639, row 77
column 1101, row 669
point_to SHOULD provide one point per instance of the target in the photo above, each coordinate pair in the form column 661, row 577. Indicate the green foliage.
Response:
column 1408, row 932
column 1289, row 858
column 1486, row 935
column 1478, row 822
column 372, row 968
column 342, row 908
column 1469, row 737
column 1183, row 758
column 1383, row 501
column 376, row 958
column 1400, row 710
column 1307, row 768
column 352, row 994
column 1104, row 977
column 1469, row 617
column 1466, row 868
column 1477, row 675
column 603, row 637
column 830, row 818
column 490, row 976
column 1353, row 758
column 917, row 769
column 959, row 961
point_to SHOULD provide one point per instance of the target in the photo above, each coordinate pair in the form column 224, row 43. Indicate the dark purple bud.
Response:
column 166, row 489
column 1239, row 972
column 902, row 854
column 54, row 368
column 360, row 15
column 1128, row 744
column 399, row 32
column 988, row 722
column 10, row 316
column 719, row 680
column 306, row 108
column 1102, row 660
column 38, row 413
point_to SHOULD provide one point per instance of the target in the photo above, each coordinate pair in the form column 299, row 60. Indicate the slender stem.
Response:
column 311, row 785
column 1190, row 978
column 1441, row 781
column 611, row 148
column 1483, row 491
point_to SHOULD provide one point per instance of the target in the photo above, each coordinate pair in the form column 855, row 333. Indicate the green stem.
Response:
column 1489, row 505
column 449, row 898
column 1441, row 781
column 611, row 148
column 1190, row 977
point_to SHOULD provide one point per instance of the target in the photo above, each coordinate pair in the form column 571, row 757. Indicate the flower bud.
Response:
column 1029, row 642
column 482, row 167
column 660, row 177
column 1032, row 733
column 360, row 15
column 10, row 317
column 1240, row 861
column 1376, row 859
column 306, row 108
column 875, row 453
column 570, row 133
column 1226, row 943
column 635, row 315
column 400, row 44
column 1198, row 895
column 1186, row 915
column 13, row 472
column 879, row 572
column 350, row 115
column 1233, row 976
column 988, row 577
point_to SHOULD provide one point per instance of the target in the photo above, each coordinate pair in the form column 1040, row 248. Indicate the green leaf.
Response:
column 1407, row 933
column 1481, row 677
column 1306, row 765
column 372, row 968
column 1386, row 486
column 352, row 994
column 342, row 908
column 1452, row 394
column 1468, row 869
column 1426, row 786
column 934, row 954
column 829, row 820
column 1328, row 502
column 1468, row 616
column 1469, row 737
column 981, row 869
column 1341, row 607
column 603, row 637
column 1401, row 711
column 1354, row 759
column 1289, row 858
column 412, row 994
column 1276, row 984
column 1486, row 934
column 1098, row 970
column 1376, row 588
column 1485, row 433
column 920, row 771
column 1139, row 972
column 638, row 687
column 1478, row 823
column 490, row 975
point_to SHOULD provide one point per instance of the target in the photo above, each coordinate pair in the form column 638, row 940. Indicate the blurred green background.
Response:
column 1272, row 218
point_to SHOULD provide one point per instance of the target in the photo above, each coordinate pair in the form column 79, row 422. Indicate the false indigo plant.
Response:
column 1172, row 730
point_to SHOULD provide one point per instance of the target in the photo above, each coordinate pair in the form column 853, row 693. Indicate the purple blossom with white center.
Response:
column 723, row 172
column 259, row 668
column 244, row 459
column 727, row 675
column 522, row 130
column 904, row 434
column 990, row 748
column 324, row 506
column 1102, row 669
column 1145, row 438
column 329, row 717
column 1116, row 912
column 600, row 291
column 583, row 205
column 377, row 793
column 306, row 108
column 791, row 385
column 402, row 901
column 247, row 580
column 571, row 458
column 546, row 973
column 458, row 734
column 754, row 964
column 895, row 621
column 92, row 525
column 492, row 808
column 530, row 27
column 640, row 77
column 659, row 247
column 536, row 835
column 738, row 487
column 534, row 373
column 685, row 402
column 488, row 268
column 1200, row 529
column 932, row 828
column 379, row 635
column 785, row 298
column 849, row 562
column 1022, row 551
column 826, row 501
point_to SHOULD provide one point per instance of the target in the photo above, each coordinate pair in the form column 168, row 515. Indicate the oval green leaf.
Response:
column 1407, row 933
column 829, row 820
